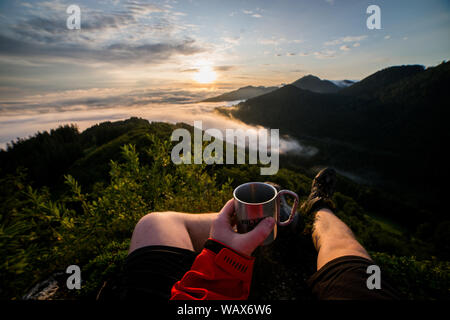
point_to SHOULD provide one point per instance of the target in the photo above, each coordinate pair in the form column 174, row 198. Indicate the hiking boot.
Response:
column 285, row 209
column 322, row 190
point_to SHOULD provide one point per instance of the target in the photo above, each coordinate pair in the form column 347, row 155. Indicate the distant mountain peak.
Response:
column 309, row 77
column 315, row 84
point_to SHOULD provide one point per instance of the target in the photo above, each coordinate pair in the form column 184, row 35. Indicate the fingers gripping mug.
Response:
column 254, row 201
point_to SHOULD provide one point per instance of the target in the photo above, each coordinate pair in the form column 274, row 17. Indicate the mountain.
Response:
column 380, row 110
column 315, row 84
column 243, row 93
column 308, row 82
column 383, row 79
column 391, row 125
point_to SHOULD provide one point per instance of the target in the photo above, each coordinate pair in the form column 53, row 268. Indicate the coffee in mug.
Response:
column 254, row 201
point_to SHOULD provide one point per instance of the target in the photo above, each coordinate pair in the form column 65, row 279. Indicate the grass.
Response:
column 387, row 224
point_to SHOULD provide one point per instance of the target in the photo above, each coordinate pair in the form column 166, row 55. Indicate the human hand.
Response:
column 246, row 243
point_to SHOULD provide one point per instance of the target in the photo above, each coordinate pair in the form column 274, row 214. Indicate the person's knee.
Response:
column 153, row 219
column 161, row 219
column 160, row 228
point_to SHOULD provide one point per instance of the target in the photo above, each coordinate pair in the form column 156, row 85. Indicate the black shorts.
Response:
column 345, row 278
column 150, row 272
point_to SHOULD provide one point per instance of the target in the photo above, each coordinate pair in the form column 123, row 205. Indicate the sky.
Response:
column 135, row 53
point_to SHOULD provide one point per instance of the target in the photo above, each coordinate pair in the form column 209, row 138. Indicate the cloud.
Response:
column 46, row 18
column 191, row 70
column 387, row 37
column 97, row 98
column 268, row 41
column 119, row 52
column 232, row 40
column 324, row 54
column 22, row 125
column 216, row 68
column 344, row 48
column 347, row 39
column 142, row 9
column 253, row 13
column 274, row 41
column 277, row 40
column 116, row 37
column 26, row 4
column 223, row 68
column 332, row 43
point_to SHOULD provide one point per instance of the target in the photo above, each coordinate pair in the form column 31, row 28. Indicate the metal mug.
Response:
column 254, row 201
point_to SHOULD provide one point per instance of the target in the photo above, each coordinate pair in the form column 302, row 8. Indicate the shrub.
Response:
column 39, row 235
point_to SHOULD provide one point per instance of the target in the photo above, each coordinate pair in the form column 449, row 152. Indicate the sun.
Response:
column 205, row 75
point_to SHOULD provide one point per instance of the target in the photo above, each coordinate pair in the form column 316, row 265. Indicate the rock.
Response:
column 46, row 289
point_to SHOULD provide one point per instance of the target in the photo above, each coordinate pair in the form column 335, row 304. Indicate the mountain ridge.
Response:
column 242, row 93
column 309, row 82
column 383, row 78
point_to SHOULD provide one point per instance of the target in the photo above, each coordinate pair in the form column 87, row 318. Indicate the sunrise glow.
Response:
column 205, row 75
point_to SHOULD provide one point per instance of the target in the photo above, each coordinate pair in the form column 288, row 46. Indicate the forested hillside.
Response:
column 388, row 129
column 84, row 212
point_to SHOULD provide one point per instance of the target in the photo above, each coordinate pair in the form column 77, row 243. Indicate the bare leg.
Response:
column 182, row 230
column 333, row 238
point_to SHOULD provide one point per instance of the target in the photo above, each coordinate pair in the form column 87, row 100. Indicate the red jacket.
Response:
column 218, row 273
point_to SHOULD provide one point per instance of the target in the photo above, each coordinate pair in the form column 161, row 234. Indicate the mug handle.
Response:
column 294, row 207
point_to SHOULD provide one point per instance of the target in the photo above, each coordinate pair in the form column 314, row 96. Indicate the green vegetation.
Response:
column 123, row 171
